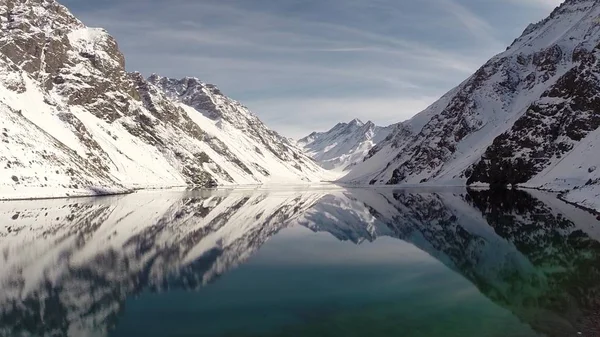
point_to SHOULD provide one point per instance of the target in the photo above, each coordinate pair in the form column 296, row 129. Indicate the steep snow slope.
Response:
column 80, row 124
column 235, row 134
column 528, row 116
column 344, row 145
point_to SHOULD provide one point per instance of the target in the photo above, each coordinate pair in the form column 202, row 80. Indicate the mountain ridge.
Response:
column 341, row 147
column 527, row 117
column 106, row 130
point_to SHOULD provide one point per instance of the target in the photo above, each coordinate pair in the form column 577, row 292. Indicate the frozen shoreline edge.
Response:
column 99, row 193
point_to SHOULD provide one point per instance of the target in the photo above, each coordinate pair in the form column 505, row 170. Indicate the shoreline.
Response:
column 108, row 193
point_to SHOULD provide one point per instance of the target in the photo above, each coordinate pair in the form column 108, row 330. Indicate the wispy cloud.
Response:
column 389, row 110
column 545, row 4
column 475, row 25
column 331, row 59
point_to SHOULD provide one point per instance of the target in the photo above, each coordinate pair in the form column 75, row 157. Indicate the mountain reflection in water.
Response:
column 526, row 264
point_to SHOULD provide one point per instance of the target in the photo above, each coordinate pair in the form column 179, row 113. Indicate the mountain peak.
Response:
column 541, row 31
column 524, row 117
column 344, row 145
column 113, row 131
column 356, row 121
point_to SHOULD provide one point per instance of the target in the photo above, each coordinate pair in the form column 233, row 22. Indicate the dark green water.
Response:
column 301, row 263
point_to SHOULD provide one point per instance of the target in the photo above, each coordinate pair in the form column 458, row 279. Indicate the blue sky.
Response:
column 304, row 65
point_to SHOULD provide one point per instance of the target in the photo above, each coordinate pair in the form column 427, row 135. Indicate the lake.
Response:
column 301, row 262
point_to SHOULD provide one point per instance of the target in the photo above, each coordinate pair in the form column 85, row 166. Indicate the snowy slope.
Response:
column 235, row 134
column 74, row 122
column 343, row 146
column 528, row 116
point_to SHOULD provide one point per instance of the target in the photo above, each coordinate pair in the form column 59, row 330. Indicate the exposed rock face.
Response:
column 518, row 120
column 70, row 82
column 36, row 34
column 344, row 145
column 210, row 101
column 552, row 126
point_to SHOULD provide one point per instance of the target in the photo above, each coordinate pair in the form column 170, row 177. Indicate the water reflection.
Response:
column 70, row 268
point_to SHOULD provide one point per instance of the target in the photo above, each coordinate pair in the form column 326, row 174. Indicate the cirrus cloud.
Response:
column 304, row 65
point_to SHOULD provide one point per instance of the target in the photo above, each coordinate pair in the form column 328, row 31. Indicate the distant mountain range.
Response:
column 344, row 145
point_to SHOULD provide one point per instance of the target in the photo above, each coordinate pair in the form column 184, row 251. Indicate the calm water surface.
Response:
column 358, row 262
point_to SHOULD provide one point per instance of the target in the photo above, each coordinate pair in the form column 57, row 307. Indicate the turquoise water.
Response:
column 353, row 293
column 302, row 263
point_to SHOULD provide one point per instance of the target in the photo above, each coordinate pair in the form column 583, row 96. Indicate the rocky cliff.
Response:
column 529, row 116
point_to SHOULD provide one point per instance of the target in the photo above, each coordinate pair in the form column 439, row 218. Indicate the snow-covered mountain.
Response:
column 529, row 116
column 73, row 121
column 344, row 145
